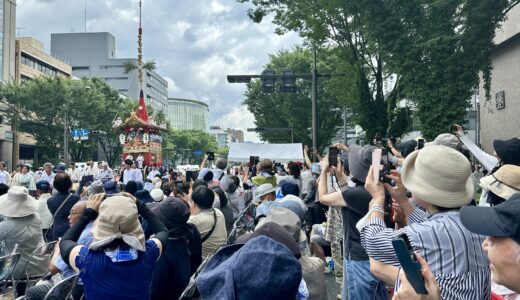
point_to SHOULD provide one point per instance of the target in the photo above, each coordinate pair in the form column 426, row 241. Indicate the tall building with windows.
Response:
column 92, row 54
column 7, row 70
column 186, row 114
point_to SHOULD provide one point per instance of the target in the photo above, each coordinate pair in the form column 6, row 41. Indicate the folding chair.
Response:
column 7, row 265
column 63, row 289
column 45, row 252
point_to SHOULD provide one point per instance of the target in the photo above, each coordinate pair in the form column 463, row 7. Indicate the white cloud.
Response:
column 240, row 118
column 195, row 43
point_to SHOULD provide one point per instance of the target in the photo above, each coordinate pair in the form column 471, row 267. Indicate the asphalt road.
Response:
column 332, row 287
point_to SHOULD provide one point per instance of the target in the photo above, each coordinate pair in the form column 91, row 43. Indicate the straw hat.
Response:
column 439, row 175
column 504, row 183
column 17, row 203
column 117, row 219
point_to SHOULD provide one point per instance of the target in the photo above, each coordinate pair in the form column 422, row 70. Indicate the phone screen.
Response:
column 412, row 268
column 189, row 175
column 333, row 156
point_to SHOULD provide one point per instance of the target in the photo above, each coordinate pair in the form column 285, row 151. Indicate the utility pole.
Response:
column 345, row 124
column 314, row 99
column 66, row 136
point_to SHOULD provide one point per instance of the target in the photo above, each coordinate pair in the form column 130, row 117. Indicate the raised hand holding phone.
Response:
column 409, row 263
column 376, row 163
column 406, row 290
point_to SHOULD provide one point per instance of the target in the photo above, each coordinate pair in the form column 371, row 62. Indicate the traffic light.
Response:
column 288, row 82
column 268, row 79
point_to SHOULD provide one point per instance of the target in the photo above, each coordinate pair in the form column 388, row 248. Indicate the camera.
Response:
column 211, row 155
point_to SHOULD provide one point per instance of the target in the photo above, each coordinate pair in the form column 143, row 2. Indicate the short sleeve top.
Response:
column 129, row 280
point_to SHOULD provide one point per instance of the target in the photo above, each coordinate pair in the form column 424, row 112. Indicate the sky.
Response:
column 195, row 44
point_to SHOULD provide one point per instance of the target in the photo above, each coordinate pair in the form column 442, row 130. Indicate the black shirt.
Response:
column 357, row 199
column 61, row 219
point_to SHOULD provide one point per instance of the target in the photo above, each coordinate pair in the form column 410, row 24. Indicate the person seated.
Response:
column 182, row 256
column 43, row 193
column 209, row 221
column 57, row 265
column 59, row 205
column 439, row 179
column 260, row 269
column 265, row 195
column 22, row 230
column 119, row 263
column 264, row 173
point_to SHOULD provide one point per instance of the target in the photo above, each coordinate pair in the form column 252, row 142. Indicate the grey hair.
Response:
column 47, row 164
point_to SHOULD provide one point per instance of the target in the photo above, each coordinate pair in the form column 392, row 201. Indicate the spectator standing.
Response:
column 130, row 174
column 358, row 281
column 209, row 221
column 74, row 173
column 439, row 179
column 59, row 205
column 26, row 180
column 5, row 178
column 43, row 193
column 183, row 253
column 48, row 175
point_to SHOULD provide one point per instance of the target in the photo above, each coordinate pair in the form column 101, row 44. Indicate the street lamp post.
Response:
column 314, row 100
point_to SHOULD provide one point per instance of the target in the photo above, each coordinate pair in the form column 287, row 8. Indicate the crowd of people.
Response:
column 272, row 231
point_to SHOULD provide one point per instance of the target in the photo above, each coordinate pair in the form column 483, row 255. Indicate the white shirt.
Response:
column 132, row 175
column 105, row 175
column 5, row 178
column 152, row 174
column 48, row 178
column 306, row 176
column 43, row 211
column 75, row 175
column 94, row 171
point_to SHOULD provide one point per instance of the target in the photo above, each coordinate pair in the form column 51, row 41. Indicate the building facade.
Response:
column 226, row 136
column 186, row 114
column 7, row 71
column 499, row 115
column 32, row 61
column 92, row 54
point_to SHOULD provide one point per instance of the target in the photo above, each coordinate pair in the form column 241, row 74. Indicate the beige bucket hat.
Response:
column 439, row 175
column 117, row 219
column 17, row 203
column 504, row 182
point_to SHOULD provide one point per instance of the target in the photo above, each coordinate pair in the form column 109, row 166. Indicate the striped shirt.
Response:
column 453, row 253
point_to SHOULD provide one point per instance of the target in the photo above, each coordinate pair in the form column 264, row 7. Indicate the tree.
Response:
column 293, row 110
column 331, row 23
column 129, row 66
column 38, row 107
column 187, row 142
column 433, row 50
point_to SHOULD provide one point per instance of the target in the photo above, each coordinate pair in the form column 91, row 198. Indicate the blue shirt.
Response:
column 128, row 280
column 84, row 239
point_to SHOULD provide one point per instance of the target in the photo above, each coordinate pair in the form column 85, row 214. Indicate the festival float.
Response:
column 141, row 138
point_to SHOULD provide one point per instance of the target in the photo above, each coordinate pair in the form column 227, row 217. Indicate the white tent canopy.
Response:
column 240, row 152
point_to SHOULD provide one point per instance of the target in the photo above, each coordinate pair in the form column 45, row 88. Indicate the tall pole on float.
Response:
column 140, row 50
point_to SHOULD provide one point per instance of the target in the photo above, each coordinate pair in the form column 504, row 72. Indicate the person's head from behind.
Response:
column 294, row 169
column 62, row 183
column 76, row 211
column 42, row 187
column 501, row 225
column 508, row 151
column 202, row 197
column 359, row 161
column 221, row 196
column 72, row 165
column 48, row 168
column 439, row 178
column 4, row 188
column 221, row 163
column 117, row 226
column 502, row 184
column 289, row 188
column 131, row 187
column 174, row 213
column 266, row 165
column 2, row 165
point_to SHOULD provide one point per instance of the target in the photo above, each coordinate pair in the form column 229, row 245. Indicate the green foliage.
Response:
column 38, row 107
column 436, row 49
column 293, row 110
column 129, row 66
column 193, row 140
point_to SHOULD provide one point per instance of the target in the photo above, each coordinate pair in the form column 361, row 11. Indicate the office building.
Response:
column 7, row 53
column 93, row 54
column 498, row 116
column 186, row 114
column 226, row 136
column 31, row 61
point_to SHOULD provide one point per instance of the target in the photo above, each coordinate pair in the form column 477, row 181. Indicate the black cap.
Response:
column 128, row 162
column 508, row 151
column 501, row 220
column 277, row 233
